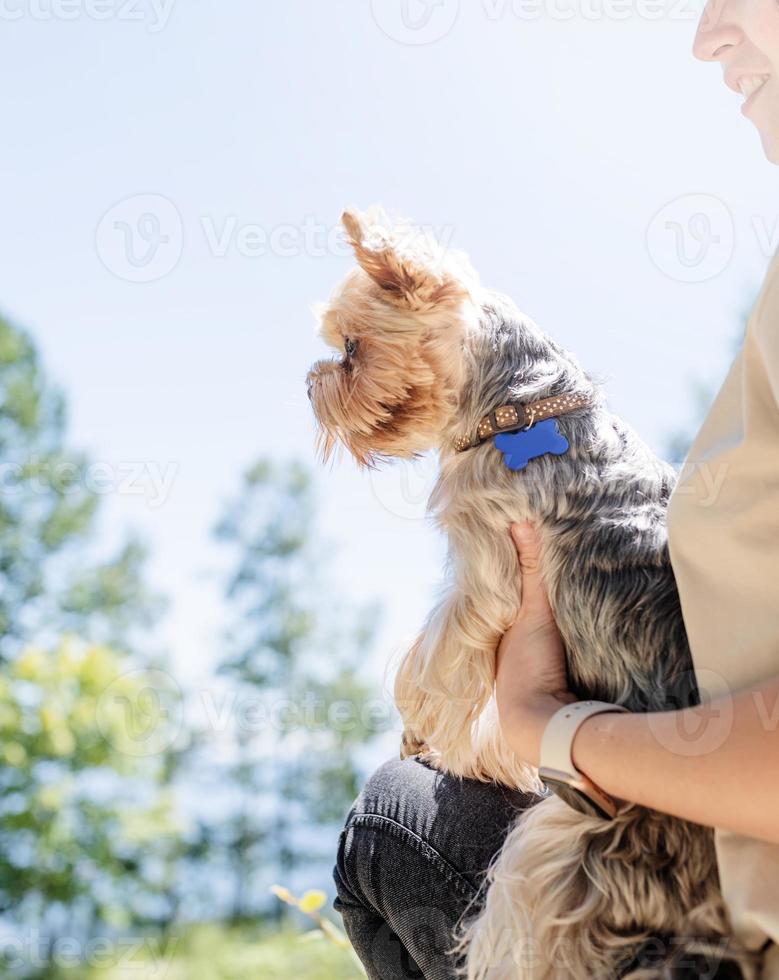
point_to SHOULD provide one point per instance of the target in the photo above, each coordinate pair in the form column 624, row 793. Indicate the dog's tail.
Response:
column 571, row 895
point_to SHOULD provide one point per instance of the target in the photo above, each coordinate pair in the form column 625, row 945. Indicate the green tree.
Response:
column 293, row 653
column 83, row 806
column 85, row 832
column 51, row 578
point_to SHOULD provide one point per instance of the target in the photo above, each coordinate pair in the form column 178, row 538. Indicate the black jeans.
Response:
column 410, row 861
column 411, row 857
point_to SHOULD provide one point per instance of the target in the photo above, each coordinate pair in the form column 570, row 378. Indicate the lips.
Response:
column 749, row 84
column 750, row 87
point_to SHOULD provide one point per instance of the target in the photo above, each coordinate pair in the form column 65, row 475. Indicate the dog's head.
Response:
column 398, row 322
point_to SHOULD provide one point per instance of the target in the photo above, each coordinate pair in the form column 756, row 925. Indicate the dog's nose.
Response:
column 309, row 385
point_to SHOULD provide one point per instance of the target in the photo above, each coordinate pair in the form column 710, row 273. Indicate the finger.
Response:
column 528, row 544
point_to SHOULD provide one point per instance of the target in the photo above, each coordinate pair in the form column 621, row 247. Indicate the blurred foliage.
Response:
column 295, row 652
column 210, row 952
column 49, row 580
column 87, row 829
column 98, row 756
column 82, row 807
column 311, row 904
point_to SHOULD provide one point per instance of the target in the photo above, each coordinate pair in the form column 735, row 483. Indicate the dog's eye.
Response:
column 350, row 346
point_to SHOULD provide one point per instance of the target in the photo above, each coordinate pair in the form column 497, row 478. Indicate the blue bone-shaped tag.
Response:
column 519, row 448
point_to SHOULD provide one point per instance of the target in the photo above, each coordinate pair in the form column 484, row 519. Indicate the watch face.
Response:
column 576, row 798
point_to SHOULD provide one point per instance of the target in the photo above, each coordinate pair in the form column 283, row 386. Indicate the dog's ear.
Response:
column 409, row 267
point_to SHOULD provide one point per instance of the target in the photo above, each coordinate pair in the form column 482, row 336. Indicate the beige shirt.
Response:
column 723, row 525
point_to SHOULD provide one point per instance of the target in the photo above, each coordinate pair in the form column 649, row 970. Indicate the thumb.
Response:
column 528, row 544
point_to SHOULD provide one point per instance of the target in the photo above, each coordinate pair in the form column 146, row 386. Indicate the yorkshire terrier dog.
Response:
column 429, row 360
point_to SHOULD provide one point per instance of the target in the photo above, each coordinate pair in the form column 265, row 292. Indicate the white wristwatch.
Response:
column 556, row 768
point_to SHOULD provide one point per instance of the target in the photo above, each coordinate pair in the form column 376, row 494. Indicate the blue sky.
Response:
column 589, row 165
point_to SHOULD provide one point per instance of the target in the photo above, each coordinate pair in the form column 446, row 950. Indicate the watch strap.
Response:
column 561, row 729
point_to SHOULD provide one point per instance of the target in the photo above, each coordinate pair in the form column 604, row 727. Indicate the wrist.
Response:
column 580, row 740
column 527, row 722
column 592, row 744
column 561, row 772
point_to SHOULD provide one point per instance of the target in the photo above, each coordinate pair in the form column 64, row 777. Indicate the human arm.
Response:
column 715, row 764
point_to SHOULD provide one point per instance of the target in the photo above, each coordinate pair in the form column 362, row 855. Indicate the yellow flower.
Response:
column 312, row 901
column 284, row 894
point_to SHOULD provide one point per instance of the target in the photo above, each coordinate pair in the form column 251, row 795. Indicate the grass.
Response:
column 215, row 953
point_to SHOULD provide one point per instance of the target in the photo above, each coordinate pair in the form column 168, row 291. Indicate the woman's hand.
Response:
column 530, row 682
column 644, row 758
